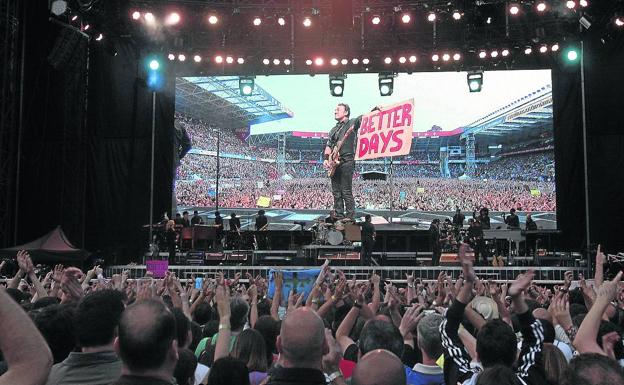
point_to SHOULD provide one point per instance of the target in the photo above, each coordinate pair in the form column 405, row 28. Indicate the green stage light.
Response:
column 475, row 81
column 571, row 54
column 246, row 85
column 336, row 85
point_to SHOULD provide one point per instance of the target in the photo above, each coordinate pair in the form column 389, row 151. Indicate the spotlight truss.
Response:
column 386, row 83
column 336, row 84
column 475, row 81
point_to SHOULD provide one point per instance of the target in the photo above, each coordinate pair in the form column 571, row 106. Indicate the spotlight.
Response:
column 406, row 18
column 287, row 62
column 240, row 60
column 488, row 20
column 181, row 57
column 543, row 49
column 475, row 81
column 412, row 59
column 308, row 62
column 376, row 20
column 197, row 58
column 229, row 59
column 388, row 60
column 482, row 54
column 319, row 61
column 505, row 52
column 246, row 85
column 494, row 53
column 457, row 15
column 402, row 59
column 365, row 61
column 457, row 57
column 528, row 50
column 86, row 27
column 213, row 19
column 386, row 84
column 355, row 61
column 555, row 47
column 514, row 9
column 149, row 18
column 336, row 85
column 281, row 21
column 257, row 21
column 218, row 59
column 276, row 62
column 570, row 4
column 572, row 55
column 172, row 19
column 435, row 57
column 583, row 3
column 446, row 57
column 431, row 17
column 344, row 62
column 99, row 37
column 541, row 6
column 136, row 15
column 333, row 61
column 307, row 22
column 619, row 21
column 154, row 65
column 154, row 79
column 171, row 56
column 266, row 61
column 75, row 17
column 58, row 7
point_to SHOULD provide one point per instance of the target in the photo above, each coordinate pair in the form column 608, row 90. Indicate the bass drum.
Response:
column 334, row 237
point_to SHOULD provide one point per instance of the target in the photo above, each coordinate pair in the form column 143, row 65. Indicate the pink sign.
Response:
column 387, row 132
column 157, row 267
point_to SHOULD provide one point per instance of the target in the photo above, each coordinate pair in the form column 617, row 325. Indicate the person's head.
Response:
column 367, row 218
column 554, row 363
column 299, row 349
column 178, row 216
column 170, row 224
column 251, row 349
column 379, row 367
column 498, row 375
column 512, row 211
column 260, row 212
column 457, row 210
column 147, row 338
column 592, row 369
column 332, row 213
column 183, row 328
column 484, row 211
column 56, row 324
column 268, row 328
column 233, row 215
column 377, row 334
column 217, row 214
column 429, row 340
column 202, row 313
column 97, row 318
column 185, row 214
column 195, row 213
column 228, row 371
column 342, row 112
column 239, row 309
column 496, row 344
column 471, row 222
column 184, row 372
column 529, row 217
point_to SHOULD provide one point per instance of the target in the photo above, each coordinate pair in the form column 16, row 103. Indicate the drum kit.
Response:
column 329, row 234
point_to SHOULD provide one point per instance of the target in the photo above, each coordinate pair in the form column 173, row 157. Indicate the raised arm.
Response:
column 277, row 295
column 222, row 349
column 600, row 261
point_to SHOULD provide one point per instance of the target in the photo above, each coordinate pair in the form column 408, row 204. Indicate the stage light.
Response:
column 543, row 49
column 457, row 15
column 386, row 84
column 475, row 81
column 572, row 55
column 319, row 61
column 246, row 85
column 257, row 21
column 482, row 54
column 75, row 17
column 505, row 52
column 181, row 57
column 171, row 56
column 412, row 59
column 528, row 50
column 172, row 19
column 570, row 4
column 218, row 59
column 281, row 21
column 619, row 21
column 488, row 20
column 307, row 22
column 494, row 54
column 154, row 65
column 86, row 27
column 149, row 18
column 435, row 57
column 541, row 6
column 99, row 37
column 213, row 19
column 514, row 9
column 344, row 62
column 287, row 62
column 266, row 61
column 58, row 7
column 240, row 60
column 276, row 62
column 583, row 3
column 555, row 47
column 229, row 59
column 431, row 17
column 336, row 85
column 388, row 60
column 136, row 15
column 308, row 62
column 457, row 57
column 402, row 59
column 355, row 61
column 333, row 61
column 406, row 18
column 376, row 20
column 197, row 58
column 154, row 77
column 446, row 57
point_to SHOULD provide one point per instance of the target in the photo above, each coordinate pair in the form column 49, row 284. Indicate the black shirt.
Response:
column 196, row 220
column 347, row 151
column 368, row 230
column 475, row 231
column 139, row 380
column 261, row 221
column 235, row 224
column 295, row 376
column 512, row 221
column 485, row 222
column 531, row 224
column 185, row 223
column 458, row 219
column 219, row 222
column 330, row 221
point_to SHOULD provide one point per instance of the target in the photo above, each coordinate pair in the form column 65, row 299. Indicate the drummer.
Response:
column 332, row 218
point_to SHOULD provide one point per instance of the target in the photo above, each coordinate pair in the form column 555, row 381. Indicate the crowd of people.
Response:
column 66, row 326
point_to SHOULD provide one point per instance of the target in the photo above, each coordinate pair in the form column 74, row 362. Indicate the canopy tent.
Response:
column 50, row 248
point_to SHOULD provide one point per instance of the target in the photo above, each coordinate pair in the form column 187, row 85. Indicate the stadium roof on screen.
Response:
column 217, row 100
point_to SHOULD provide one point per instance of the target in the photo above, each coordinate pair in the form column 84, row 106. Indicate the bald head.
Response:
column 302, row 338
column 379, row 367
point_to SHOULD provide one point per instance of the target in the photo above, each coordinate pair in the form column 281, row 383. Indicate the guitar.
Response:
column 334, row 157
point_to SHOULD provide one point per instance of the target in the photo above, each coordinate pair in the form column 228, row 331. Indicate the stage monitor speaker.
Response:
column 353, row 233
column 195, row 258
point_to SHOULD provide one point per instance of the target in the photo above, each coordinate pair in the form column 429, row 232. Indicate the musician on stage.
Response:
column 512, row 220
column 261, row 221
column 530, row 224
column 476, row 240
column 332, row 218
column 434, row 241
column 218, row 223
column 368, row 240
column 171, row 239
column 186, row 221
column 483, row 218
column 234, row 236
column 458, row 218
column 196, row 219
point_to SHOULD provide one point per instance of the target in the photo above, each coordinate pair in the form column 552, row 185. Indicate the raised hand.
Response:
column 609, row 289
column 466, row 263
column 222, row 297
column 600, row 257
column 567, row 279
column 57, row 273
column 522, row 282
column 24, row 262
column 375, row 279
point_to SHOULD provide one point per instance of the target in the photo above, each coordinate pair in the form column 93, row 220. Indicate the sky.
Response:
column 440, row 98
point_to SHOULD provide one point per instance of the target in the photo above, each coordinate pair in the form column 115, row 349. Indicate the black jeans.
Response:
column 342, row 189
column 366, row 252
